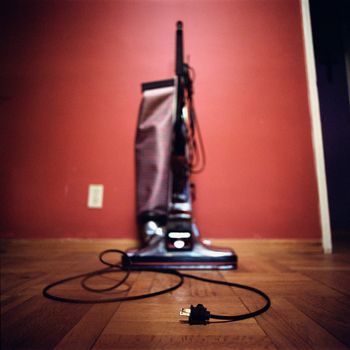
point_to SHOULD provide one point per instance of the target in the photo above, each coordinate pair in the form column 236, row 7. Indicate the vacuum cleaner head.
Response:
column 156, row 254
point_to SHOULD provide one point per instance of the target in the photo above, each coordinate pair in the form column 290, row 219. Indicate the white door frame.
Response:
column 317, row 140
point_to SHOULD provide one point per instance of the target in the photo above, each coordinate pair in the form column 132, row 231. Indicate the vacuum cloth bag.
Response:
column 153, row 147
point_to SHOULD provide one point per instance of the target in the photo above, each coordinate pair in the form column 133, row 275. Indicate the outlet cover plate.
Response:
column 95, row 196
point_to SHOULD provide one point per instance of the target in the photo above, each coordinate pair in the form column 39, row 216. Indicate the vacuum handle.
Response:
column 179, row 68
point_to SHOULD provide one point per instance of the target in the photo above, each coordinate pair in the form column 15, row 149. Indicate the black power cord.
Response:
column 196, row 314
column 117, row 267
column 200, row 315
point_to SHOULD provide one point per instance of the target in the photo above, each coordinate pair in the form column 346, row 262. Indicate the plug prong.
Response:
column 185, row 312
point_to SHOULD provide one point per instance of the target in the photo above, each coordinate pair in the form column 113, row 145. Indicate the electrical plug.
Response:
column 196, row 314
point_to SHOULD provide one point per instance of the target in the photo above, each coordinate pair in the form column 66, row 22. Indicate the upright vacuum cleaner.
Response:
column 166, row 152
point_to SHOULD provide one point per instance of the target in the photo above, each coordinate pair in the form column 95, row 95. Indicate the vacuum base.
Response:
column 156, row 256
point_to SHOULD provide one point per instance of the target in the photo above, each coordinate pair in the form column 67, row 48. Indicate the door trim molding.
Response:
column 317, row 140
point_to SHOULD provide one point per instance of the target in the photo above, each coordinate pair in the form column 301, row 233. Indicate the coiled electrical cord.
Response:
column 197, row 314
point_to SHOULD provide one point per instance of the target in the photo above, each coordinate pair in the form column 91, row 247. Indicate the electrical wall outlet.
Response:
column 95, row 196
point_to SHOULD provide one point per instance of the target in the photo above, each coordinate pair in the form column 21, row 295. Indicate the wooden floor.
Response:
column 310, row 295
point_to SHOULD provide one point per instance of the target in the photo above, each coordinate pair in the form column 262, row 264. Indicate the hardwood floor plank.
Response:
column 290, row 328
column 278, row 330
column 13, row 301
column 188, row 342
column 337, row 280
column 317, row 262
column 39, row 323
column 10, row 280
column 329, row 313
column 85, row 333
column 283, row 285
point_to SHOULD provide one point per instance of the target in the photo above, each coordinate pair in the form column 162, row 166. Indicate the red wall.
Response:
column 70, row 91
